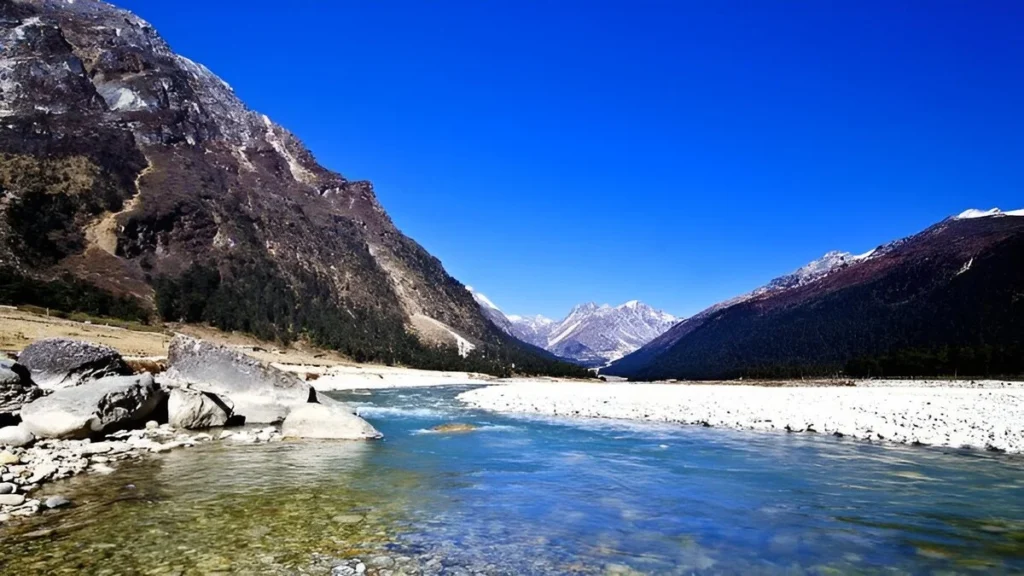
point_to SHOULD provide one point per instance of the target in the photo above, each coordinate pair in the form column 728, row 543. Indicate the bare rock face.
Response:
column 260, row 393
column 191, row 409
column 93, row 407
column 62, row 362
column 16, row 388
column 327, row 422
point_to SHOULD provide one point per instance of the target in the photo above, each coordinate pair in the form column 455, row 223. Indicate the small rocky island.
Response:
column 69, row 406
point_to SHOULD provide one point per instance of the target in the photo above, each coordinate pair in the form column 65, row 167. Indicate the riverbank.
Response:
column 959, row 414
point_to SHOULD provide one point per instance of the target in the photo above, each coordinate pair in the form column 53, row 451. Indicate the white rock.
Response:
column 326, row 422
column 12, row 499
column 16, row 436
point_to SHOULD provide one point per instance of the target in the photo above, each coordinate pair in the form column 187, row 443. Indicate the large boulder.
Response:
column 63, row 362
column 92, row 407
column 16, row 436
column 16, row 389
column 329, row 422
column 260, row 392
column 192, row 409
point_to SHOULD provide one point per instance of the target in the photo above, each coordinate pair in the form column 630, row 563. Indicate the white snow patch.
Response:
column 975, row 213
column 564, row 333
column 482, row 299
column 967, row 266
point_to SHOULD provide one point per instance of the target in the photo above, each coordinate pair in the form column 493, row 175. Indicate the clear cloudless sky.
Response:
column 678, row 152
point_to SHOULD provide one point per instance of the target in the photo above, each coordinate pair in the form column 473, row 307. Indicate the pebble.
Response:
column 101, row 469
column 6, row 458
column 41, row 473
column 56, row 502
column 8, row 488
column 12, row 499
column 979, row 416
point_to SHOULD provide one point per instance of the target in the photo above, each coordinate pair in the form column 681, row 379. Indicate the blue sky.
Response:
column 677, row 152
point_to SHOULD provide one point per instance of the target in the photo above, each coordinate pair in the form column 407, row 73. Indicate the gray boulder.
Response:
column 192, row 409
column 92, row 407
column 56, row 502
column 61, row 362
column 16, row 387
column 16, row 437
column 329, row 422
column 260, row 392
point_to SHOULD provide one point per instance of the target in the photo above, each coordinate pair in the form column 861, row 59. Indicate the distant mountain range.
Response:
column 591, row 335
column 949, row 300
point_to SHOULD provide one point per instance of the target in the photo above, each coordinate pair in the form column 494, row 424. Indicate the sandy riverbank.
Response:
column 954, row 414
column 327, row 369
column 372, row 377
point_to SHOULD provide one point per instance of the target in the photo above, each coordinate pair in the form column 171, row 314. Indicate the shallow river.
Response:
column 525, row 495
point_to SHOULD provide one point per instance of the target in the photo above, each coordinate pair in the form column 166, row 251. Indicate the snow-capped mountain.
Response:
column 951, row 286
column 591, row 335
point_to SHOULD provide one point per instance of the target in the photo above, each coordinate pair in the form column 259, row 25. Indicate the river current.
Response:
column 529, row 495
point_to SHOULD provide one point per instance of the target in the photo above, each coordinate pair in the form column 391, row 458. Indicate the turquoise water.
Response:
column 521, row 495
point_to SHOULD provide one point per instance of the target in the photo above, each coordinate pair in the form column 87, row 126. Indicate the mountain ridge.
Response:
column 139, row 172
column 590, row 334
column 904, row 298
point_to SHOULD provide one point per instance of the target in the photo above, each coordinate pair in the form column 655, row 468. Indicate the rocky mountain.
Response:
column 134, row 182
column 590, row 335
column 949, row 300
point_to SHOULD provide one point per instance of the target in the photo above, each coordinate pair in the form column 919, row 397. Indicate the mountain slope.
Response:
column 955, row 288
column 138, row 172
column 590, row 335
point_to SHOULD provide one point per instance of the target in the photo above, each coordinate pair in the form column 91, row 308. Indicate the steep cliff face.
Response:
column 141, row 172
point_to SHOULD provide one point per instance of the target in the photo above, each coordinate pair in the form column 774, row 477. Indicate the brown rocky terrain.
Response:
column 134, row 182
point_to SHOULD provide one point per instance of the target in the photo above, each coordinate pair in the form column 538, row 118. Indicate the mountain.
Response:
column 134, row 182
column 590, row 335
column 949, row 300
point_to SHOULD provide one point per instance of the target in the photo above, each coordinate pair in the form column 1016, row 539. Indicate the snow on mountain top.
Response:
column 975, row 213
column 482, row 300
column 539, row 319
column 591, row 334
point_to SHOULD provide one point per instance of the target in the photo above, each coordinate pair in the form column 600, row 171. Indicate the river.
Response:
column 529, row 495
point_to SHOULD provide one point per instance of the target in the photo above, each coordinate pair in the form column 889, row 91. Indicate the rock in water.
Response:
column 62, row 362
column 56, row 502
column 454, row 428
column 16, row 388
column 327, row 422
column 191, row 409
column 16, row 437
column 260, row 393
column 92, row 407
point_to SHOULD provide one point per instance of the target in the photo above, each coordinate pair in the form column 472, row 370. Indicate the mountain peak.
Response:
column 972, row 213
column 591, row 334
